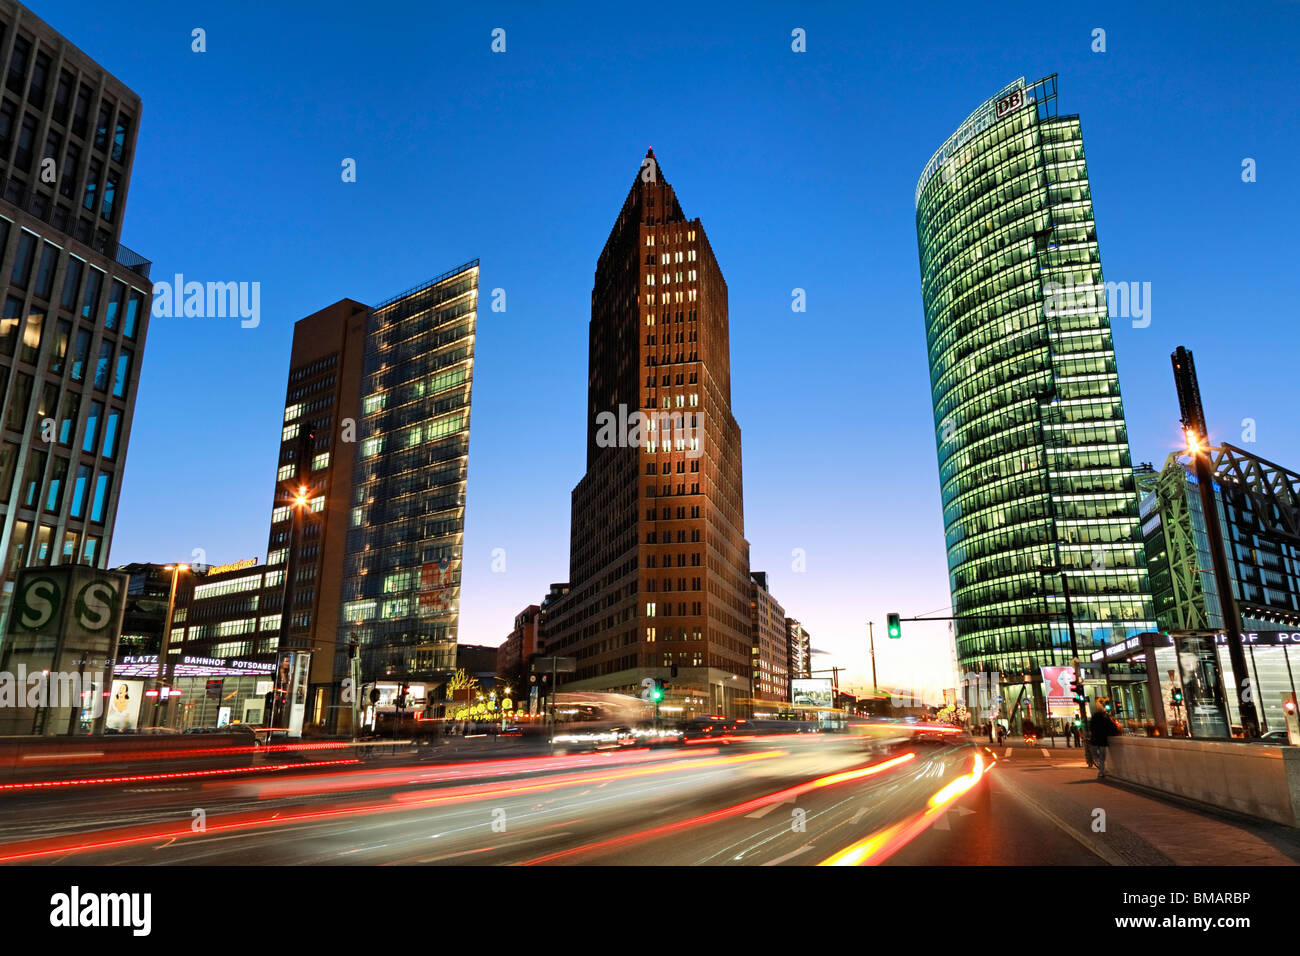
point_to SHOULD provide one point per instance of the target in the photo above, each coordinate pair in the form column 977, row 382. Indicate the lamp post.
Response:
column 1198, row 448
column 871, row 634
column 298, row 494
column 164, row 646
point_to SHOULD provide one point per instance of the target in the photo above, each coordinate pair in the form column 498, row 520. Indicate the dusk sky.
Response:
column 802, row 167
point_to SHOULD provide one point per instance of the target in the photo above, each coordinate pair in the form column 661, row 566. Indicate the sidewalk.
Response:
column 1139, row 828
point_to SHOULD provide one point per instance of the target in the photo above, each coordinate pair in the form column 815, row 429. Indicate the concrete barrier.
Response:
column 1255, row 780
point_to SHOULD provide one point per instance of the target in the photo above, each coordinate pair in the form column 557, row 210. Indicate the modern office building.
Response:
column 1263, row 551
column 770, row 650
column 1034, row 466
column 75, row 300
column 402, row 571
column 219, row 655
column 318, row 453
column 367, row 519
column 523, row 643
column 798, row 644
column 658, row 562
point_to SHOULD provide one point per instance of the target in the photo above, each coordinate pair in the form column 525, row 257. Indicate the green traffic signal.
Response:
column 895, row 629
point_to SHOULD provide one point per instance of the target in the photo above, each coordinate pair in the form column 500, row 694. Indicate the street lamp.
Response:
column 164, row 645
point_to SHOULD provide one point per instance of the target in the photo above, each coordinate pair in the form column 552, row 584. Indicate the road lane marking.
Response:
column 1008, row 753
column 1095, row 846
column 789, row 856
column 1045, row 752
column 764, row 811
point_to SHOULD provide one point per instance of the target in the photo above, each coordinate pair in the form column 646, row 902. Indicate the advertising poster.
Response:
column 123, row 712
column 1056, row 688
column 436, row 587
column 812, row 692
column 298, row 692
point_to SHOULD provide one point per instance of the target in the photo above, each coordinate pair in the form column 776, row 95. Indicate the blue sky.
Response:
column 802, row 167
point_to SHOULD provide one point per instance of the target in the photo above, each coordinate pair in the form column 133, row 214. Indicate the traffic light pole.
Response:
column 1074, row 652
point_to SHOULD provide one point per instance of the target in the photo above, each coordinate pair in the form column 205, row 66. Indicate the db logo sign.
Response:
column 1012, row 101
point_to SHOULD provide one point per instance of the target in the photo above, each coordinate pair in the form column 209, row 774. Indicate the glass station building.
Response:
column 1034, row 464
column 1263, row 565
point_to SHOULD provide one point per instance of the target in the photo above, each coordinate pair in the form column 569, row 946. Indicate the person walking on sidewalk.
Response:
column 1102, row 729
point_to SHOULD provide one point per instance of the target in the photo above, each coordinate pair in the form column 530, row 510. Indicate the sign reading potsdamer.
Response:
column 58, row 652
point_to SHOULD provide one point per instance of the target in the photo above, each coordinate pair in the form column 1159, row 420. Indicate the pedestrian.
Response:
column 1102, row 729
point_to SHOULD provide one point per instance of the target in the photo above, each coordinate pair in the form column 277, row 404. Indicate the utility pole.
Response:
column 871, row 632
column 1198, row 447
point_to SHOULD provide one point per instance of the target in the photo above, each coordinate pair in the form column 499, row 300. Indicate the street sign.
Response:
column 560, row 665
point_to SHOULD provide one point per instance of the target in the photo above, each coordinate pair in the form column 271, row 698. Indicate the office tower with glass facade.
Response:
column 658, row 561
column 1035, row 472
column 402, row 571
column 770, row 652
column 76, row 301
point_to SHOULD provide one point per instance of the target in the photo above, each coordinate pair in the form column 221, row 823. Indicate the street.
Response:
column 772, row 801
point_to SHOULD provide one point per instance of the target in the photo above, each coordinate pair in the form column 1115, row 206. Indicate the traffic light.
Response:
column 892, row 625
column 1076, row 688
column 1177, row 696
column 657, row 691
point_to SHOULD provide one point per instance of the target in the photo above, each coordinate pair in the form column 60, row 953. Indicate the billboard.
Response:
column 1056, row 688
column 437, row 587
column 812, row 692
column 122, row 715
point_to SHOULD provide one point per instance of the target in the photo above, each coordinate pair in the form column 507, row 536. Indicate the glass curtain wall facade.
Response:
column 1034, row 463
column 402, row 571
column 75, row 301
column 1265, row 571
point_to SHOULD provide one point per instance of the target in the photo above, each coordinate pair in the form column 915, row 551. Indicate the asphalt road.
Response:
column 772, row 801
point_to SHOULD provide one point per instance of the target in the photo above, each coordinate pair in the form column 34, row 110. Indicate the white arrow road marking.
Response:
column 1045, row 752
column 781, row 859
column 764, row 811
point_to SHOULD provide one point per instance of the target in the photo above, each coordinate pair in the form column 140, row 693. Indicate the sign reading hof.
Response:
column 58, row 654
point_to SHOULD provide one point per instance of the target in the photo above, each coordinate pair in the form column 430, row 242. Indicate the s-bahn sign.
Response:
column 71, row 601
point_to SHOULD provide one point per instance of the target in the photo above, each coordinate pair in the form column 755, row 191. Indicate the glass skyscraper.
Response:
column 401, row 578
column 1034, row 465
column 76, row 301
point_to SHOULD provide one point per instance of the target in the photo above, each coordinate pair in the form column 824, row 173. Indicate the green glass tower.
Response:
column 1034, row 466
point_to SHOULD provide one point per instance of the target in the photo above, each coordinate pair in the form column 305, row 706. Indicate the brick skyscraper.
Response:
column 659, row 564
